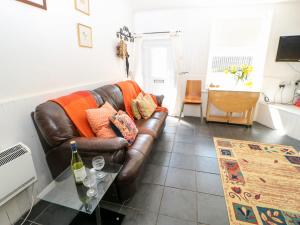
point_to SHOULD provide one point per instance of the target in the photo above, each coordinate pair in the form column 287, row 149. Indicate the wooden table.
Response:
column 237, row 106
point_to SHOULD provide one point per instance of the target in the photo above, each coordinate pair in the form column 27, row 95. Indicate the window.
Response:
column 221, row 63
column 237, row 40
column 159, row 62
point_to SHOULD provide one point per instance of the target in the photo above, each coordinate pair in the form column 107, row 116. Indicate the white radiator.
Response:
column 17, row 171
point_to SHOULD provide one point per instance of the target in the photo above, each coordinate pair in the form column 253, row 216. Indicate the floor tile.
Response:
column 33, row 223
column 39, row 208
column 205, row 147
column 155, row 174
column 160, row 158
column 203, row 130
column 190, row 139
column 56, row 214
column 185, row 130
column 172, row 120
column 24, row 223
column 209, row 183
column 207, row 164
column 212, row 210
column 191, row 120
column 163, row 146
column 182, row 179
column 147, row 197
column 171, row 129
column 166, row 220
column 134, row 217
column 180, row 204
column 206, row 142
column 184, row 148
column 167, row 137
column 183, row 161
column 223, row 130
column 111, row 206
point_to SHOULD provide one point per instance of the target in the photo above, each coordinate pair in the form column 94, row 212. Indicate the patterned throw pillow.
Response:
column 146, row 107
column 134, row 107
column 99, row 120
column 150, row 100
column 125, row 126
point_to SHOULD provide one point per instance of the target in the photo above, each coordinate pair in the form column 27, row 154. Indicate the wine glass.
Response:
column 98, row 163
column 90, row 182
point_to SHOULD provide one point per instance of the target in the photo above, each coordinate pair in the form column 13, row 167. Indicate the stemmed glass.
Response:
column 90, row 182
column 98, row 163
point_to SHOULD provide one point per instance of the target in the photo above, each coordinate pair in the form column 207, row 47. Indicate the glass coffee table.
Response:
column 65, row 192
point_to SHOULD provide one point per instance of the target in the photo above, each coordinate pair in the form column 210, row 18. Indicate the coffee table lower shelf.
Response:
column 100, row 216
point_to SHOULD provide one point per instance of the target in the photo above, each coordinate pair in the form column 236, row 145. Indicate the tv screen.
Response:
column 289, row 49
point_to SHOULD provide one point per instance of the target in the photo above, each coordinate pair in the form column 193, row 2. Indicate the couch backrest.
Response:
column 113, row 95
column 54, row 125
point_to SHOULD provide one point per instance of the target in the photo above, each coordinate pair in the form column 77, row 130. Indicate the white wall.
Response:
column 197, row 24
column 40, row 59
column 40, row 47
column 286, row 21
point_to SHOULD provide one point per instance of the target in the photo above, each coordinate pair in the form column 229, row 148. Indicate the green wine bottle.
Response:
column 77, row 165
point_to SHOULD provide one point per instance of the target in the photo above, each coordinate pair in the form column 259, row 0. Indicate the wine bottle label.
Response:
column 80, row 174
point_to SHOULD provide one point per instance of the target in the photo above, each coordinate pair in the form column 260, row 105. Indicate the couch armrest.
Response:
column 113, row 151
column 96, row 145
column 159, row 99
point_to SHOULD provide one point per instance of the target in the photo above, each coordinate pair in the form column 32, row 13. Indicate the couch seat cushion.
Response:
column 150, row 126
column 160, row 115
column 143, row 144
column 135, row 157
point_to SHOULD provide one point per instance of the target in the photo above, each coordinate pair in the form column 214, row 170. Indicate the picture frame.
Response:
column 83, row 6
column 85, row 36
column 42, row 4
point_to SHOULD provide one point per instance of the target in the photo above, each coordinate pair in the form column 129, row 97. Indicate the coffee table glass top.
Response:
column 63, row 190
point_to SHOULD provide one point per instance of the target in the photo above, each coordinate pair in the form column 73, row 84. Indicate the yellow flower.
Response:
column 226, row 71
column 249, row 84
column 233, row 68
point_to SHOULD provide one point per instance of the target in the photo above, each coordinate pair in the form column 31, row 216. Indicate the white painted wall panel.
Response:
column 40, row 60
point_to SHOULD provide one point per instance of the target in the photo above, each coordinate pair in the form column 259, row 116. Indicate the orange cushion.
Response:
column 99, row 120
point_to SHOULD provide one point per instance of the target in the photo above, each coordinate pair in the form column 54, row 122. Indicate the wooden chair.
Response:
column 192, row 95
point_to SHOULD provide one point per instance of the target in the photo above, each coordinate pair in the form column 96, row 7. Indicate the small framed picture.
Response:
column 42, row 4
column 85, row 38
column 83, row 6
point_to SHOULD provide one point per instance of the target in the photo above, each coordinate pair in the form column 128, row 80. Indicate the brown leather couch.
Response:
column 56, row 130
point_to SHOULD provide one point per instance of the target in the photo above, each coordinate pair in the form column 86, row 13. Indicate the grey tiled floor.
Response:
column 181, row 183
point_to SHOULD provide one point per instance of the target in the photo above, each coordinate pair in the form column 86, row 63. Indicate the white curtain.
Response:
column 137, row 74
column 178, row 62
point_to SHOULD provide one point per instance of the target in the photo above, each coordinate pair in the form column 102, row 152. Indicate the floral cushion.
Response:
column 99, row 120
column 146, row 107
column 124, row 126
column 134, row 107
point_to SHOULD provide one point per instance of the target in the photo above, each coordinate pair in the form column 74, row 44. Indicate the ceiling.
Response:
column 142, row 5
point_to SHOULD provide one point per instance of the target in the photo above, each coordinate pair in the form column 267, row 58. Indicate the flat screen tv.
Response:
column 288, row 49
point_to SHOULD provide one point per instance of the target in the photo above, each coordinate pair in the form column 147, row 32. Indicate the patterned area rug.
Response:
column 261, row 182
